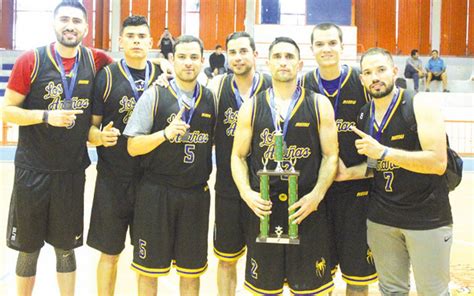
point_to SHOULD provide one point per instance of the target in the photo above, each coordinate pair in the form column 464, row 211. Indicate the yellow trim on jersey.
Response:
column 154, row 110
column 333, row 271
column 298, row 103
column 229, row 257
column 91, row 59
column 323, row 290
column 108, row 83
column 400, row 95
column 152, row 75
column 53, row 60
column 190, row 273
column 316, row 110
column 35, row 66
column 221, row 86
column 360, row 280
column 349, row 72
column 150, row 272
column 256, row 291
column 119, row 64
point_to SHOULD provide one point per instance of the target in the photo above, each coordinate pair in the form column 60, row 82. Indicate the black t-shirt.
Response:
column 216, row 61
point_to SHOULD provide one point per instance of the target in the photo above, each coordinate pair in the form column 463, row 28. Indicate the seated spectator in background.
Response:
column 414, row 68
column 166, row 43
column 436, row 70
column 216, row 63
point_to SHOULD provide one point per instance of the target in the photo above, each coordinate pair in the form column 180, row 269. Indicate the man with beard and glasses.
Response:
column 118, row 87
column 348, row 197
column 409, row 216
column 231, row 91
column 306, row 121
column 49, row 97
column 172, row 129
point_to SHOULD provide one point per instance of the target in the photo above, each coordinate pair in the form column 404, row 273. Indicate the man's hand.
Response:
column 109, row 135
column 177, row 126
column 367, row 145
column 62, row 118
column 215, row 72
column 258, row 205
column 307, row 204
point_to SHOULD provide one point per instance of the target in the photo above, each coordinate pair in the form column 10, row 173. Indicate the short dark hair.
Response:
column 188, row 39
column 435, row 50
column 413, row 52
column 218, row 46
column 325, row 27
column 240, row 34
column 71, row 3
column 375, row 51
column 134, row 21
column 283, row 40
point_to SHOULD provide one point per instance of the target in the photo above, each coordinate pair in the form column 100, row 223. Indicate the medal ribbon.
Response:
column 378, row 135
column 322, row 90
column 132, row 81
column 275, row 116
column 238, row 98
column 183, row 100
column 68, row 87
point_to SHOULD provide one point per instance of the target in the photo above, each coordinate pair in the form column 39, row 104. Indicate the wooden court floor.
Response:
column 462, row 258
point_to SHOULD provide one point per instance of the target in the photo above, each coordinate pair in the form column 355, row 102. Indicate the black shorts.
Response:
column 46, row 207
column 436, row 77
column 170, row 226
column 112, row 214
column 229, row 238
column 347, row 215
column 304, row 267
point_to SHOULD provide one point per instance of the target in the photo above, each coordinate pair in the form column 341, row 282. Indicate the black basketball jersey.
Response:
column 352, row 98
column 114, row 100
column 302, row 140
column 225, row 128
column 57, row 149
column 399, row 197
column 182, row 163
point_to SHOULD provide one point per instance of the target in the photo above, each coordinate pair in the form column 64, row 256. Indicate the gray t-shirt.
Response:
column 141, row 121
column 416, row 63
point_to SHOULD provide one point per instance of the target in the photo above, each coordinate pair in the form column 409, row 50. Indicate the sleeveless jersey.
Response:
column 113, row 89
column 46, row 148
column 302, row 138
column 352, row 98
column 399, row 197
column 182, row 163
column 225, row 128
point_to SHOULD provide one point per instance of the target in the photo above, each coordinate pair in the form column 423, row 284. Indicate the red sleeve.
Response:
column 20, row 77
column 101, row 59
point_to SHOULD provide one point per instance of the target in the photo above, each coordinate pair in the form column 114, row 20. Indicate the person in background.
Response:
column 216, row 63
column 414, row 69
column 436, row 70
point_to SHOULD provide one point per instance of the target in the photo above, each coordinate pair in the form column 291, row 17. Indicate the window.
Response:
column 293, row 12
column 191, row 17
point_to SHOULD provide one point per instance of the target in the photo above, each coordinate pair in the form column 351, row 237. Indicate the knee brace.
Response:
column 65, row 260
column 26, row 264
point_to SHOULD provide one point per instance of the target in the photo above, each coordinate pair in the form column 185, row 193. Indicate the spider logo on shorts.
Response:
column 370, row 257
column 320, row 266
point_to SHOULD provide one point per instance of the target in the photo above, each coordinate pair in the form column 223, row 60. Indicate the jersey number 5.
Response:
column 189, row 153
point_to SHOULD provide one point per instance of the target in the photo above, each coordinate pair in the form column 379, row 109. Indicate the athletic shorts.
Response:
column 229, row 238
column 436, row 77
column 46, row 207
column 170, row 226
column 112, row 214
column 304, row 267
column 347, row 215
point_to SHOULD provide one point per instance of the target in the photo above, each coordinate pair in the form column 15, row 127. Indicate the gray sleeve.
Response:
column 141, row 121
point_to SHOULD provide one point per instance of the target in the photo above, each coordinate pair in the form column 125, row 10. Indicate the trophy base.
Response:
column 274, row 239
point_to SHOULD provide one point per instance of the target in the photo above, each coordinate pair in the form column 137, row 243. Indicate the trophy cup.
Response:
column 278, row 237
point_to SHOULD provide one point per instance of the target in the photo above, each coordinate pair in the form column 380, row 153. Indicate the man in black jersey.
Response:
column 52, row 105
column 307, row 122
column 231, row 91
column 347, row 199
column 172, row 129
column 116, row 91
column 409, row 216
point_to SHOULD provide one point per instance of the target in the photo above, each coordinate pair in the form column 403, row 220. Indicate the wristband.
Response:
column 45, row 116
column 384, row 154
column 164, row 135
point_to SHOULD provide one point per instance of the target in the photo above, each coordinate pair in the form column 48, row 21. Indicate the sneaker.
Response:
column 445, row 90
column 427, row 90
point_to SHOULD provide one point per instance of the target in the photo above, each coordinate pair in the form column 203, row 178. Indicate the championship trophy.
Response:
column 292, row 176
